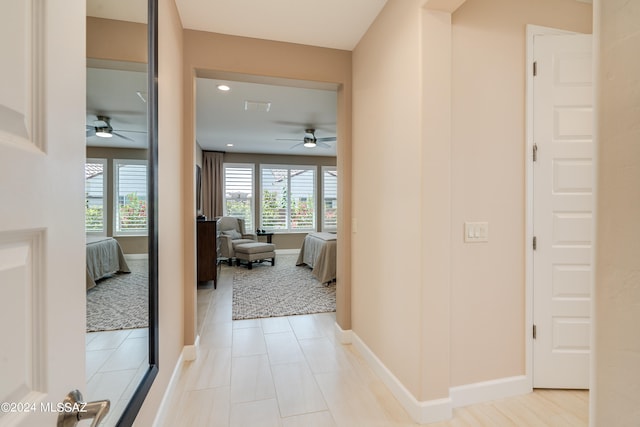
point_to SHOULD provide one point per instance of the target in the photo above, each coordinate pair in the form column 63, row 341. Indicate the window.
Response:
column 130, row 190
column 238, row 192
column 95, row 190
column 288, row 198
column 329, row 198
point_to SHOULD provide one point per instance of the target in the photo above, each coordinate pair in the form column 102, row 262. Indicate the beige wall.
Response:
column 116, row 40
column 129, row 244
column 488, row 179
column 401, row 307
column 616, row 371
column 283, row 240
column 206, row 52
column 386, row 293
column 170, row 215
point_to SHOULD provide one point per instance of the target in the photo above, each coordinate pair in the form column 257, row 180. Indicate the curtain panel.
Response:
column 212, row 170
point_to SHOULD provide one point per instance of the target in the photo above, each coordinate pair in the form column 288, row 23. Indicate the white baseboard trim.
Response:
column 343, row 336
column 136, row 256
column 422, row 412
column 163, row 409
column 470, row 394
column 190, row 352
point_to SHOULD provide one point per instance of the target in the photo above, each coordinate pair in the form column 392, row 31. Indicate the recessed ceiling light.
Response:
column 229, row 145
column 224, row 88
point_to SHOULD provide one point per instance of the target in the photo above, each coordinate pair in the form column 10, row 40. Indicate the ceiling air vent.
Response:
column 257, row 106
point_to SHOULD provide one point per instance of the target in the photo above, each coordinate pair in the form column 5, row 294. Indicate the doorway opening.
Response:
column 278, row 142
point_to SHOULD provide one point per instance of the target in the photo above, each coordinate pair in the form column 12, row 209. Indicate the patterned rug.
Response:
column 120, row 301
column 281, row 290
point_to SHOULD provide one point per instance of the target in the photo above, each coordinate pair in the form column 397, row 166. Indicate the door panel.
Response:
column 41, row 209
column 562, row 210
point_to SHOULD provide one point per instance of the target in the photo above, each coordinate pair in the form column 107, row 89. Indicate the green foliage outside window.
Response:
column 274, row 211
column 302, row 213
column 93, row 218
column 133, row 213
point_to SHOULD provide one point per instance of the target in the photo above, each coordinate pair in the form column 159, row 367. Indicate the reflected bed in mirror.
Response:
column 120, row 183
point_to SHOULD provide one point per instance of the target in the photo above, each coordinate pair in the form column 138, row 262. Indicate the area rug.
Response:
column 120, row 301
column 282, row 290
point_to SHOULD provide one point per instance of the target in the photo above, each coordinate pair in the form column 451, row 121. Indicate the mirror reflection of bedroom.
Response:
column 115, row 217
column 266, row 178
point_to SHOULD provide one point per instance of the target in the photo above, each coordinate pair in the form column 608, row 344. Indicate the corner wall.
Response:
column 438, row 139
column 488, row 179
column 387, row 171
column 170, row 216
column 616, row 372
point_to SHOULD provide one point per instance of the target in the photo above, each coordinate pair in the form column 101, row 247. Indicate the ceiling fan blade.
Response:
column 326, row 139
column 119, row 135
column 322, row 144
column 296, row 145
column 130, row 131
column 288, row 139
column 329, row 127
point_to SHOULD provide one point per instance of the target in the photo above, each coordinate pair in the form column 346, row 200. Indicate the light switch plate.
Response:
column 476, row 232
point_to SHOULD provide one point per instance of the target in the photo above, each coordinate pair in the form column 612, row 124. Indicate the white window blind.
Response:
column 288, row 198
column 238, row 193
column 95, row 195
column 329, row 199
column 130, row 191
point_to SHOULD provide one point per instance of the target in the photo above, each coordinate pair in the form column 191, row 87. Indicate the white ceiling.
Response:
column 239, row 117
column 112, row 91
column 221, row 118
column 336, row 24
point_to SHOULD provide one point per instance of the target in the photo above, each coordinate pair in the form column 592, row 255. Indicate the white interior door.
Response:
column 42, row 289
column 562, row 210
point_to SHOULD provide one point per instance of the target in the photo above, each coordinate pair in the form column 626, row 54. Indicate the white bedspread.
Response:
column 104, row 257
column 319, row 252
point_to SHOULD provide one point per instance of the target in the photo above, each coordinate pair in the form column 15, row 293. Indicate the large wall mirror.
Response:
column 121, row 205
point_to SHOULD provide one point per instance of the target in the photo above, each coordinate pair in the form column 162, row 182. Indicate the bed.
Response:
column 104, row 257
column 319, row 252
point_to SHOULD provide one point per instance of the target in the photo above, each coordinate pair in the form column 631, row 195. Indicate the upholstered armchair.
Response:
column 232, row 234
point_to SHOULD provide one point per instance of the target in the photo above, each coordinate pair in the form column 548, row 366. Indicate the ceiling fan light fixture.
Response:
column 309, row 142
column 103, row 132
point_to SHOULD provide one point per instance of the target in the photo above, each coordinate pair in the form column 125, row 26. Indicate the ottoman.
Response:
column 258, row 251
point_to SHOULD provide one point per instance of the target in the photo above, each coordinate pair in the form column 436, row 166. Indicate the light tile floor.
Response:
column 115, row 362
column 291, row 371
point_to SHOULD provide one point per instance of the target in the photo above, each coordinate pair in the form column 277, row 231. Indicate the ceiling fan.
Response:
column 310, row 140
column 102, row 128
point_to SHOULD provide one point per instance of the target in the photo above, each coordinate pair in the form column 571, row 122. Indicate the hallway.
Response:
column 290, row 371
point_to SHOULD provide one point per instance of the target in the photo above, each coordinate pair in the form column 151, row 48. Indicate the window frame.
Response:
column 105, row 177
column 116, row 202
column 252, row 204
column 324, row 170
column 288, row 229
